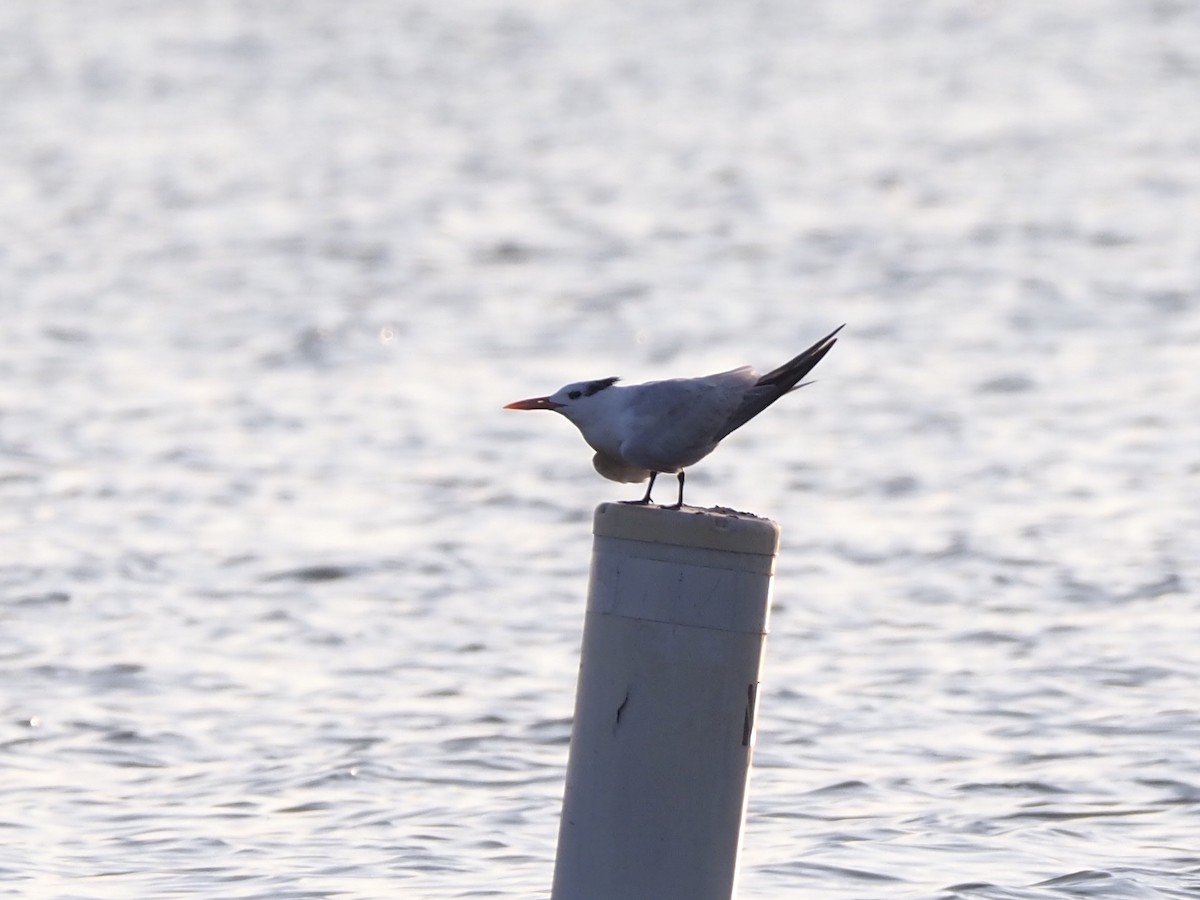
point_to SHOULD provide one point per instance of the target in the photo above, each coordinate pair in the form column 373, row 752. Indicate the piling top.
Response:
column 709, row 529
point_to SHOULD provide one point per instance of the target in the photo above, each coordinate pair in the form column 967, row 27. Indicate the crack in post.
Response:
column 621, row 711
column 748, row 722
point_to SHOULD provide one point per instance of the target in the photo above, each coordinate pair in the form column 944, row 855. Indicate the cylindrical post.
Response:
column 665, row 707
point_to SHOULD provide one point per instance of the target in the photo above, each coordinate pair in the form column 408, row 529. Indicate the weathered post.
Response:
column 665, row 706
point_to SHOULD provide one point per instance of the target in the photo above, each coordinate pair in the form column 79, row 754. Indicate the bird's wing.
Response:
column 670, row 424
column 770, row 387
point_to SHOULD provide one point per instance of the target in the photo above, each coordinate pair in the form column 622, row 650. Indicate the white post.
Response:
column 665, row 706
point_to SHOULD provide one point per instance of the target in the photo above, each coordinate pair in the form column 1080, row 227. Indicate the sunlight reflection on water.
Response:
column 292, row 608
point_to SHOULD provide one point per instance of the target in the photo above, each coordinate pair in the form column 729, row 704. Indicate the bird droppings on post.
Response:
column 727, row 511
column 728, row 530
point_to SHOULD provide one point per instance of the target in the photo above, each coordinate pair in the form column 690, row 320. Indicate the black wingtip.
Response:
column 776, row 383
column 787, row 375
column 830, row 338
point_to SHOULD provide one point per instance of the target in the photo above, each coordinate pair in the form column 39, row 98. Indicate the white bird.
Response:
column 640, row 430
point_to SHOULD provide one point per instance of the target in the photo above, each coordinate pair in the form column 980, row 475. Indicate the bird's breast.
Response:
column 616, row 470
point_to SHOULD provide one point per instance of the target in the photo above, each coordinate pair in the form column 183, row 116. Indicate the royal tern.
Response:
column 640, row 430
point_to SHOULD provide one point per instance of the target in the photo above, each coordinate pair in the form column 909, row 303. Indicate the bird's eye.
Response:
column 574, row 395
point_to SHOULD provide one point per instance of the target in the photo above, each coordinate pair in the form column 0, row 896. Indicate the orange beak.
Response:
column 534, row 403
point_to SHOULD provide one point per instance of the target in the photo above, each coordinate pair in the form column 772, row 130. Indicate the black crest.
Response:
column 595, row 387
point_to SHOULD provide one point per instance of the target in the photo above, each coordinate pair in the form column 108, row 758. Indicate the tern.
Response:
column 642, row 430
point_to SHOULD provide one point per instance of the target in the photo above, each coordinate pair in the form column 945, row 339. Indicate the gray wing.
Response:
column 671, row 423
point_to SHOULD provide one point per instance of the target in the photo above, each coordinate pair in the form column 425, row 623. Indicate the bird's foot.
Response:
column 645, row 501
column 678, row 503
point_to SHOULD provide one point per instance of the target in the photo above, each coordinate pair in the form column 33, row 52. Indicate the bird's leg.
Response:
column 678, row 503
column 645, row 501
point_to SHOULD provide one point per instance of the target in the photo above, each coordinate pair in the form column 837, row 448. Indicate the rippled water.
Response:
column 290, row 608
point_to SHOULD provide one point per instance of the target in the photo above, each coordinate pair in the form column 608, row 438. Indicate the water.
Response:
column 290, row 608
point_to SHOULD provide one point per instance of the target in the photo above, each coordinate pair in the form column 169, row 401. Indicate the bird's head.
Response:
column 570, row 400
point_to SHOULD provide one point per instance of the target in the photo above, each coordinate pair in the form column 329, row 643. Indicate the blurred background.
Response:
column 289, row 607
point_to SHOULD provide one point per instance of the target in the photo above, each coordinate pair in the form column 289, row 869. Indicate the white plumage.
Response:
column 640, row 430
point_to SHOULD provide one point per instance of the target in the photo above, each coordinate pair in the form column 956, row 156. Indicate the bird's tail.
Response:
column 778, row 382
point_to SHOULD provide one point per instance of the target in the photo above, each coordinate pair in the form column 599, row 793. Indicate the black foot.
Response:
column 678, row 503
column 645, row 501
